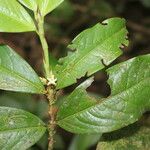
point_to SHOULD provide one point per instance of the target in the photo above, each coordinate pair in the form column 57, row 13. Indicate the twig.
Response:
column 49, row 80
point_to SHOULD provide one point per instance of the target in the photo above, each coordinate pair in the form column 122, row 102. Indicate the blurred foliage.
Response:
column 146, row 3
column 138, row 141
column 84, row 142
column 24, row 101
column 133, row 137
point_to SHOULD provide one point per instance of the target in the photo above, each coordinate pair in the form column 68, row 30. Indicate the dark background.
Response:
column 62, row 25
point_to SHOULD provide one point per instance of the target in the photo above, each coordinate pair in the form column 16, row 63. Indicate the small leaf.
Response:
column 45, row 6
column 16, row 74
column 137, row 141
column 84, row 141
column 14, row 18
column 19, row 129
column 130, row 98
column 95, row 48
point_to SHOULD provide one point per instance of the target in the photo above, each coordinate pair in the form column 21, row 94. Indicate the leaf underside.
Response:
column 130, row 98
column 94, row 48
column 16, row 74
column 14, row 18
column 19, row 130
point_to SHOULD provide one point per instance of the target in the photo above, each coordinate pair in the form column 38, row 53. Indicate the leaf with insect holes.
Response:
column 19, row 129
column 130, row 98
column 16, row 74
column 95, row 48
column 44, row 6
column 14, row 18
column 137, row 140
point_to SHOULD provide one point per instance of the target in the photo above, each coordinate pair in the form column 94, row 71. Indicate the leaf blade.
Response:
column 112, row 113
column 45, row 6
column 16, row 76
column 29, row 4
column 98, row 46
column 20, row 127
column 14, row 17
column 49, row 5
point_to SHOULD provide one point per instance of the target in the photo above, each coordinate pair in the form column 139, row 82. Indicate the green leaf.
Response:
column 14, row 18
column 16, row 74
column 137, row 141
column 95, row 48
column 130, row 98
column 84, row 141
column 19, row 129
column 31, row 4
column 45, row 6
column 49, row 5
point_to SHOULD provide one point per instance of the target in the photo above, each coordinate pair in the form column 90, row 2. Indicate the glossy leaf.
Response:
column 16, row 74
column 19, row 129
column 45, row 6
column 14, row 18
column 130, row 98
column 94, row 48
column 137, row 141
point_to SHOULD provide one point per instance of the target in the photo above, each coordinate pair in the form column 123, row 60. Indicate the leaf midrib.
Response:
column 23, row 128
column 105, row 99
